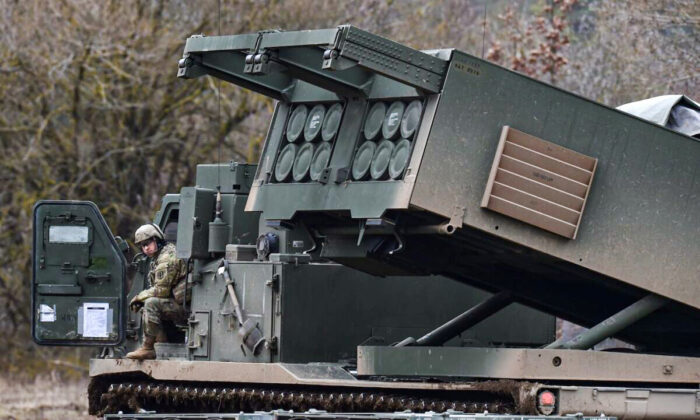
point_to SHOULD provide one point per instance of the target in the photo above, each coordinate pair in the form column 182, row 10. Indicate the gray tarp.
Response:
column 677, row 112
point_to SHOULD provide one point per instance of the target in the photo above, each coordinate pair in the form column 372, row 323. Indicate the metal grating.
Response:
column 538, row 182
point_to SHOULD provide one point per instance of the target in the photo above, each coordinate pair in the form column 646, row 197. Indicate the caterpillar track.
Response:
column 166, row 397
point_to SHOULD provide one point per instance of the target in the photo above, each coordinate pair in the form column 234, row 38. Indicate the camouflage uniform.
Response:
column 163, row 300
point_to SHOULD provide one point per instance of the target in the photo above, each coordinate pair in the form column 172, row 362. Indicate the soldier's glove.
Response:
column 136, row 304
column 138, row 300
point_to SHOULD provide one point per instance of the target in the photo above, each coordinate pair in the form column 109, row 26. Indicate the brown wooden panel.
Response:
column 535, row 203
column 551, row 149
column 578, row 224
column 546, row 162
column 541, row 190
column 532, row 217
column 543, row 176
column 494, row 167
column 538, row 182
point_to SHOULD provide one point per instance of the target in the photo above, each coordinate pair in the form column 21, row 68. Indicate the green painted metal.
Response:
column 399, row 158
column 612, row 325
column 320, row 312
column 229, row 178
column 78, row 282
column 389, row 58
column 317, row 38
column 292, row 301
column 331, row 122
column 285, row 162
column 410, row 205
column 200, row 43
column 363, row 161
column 320, row 160
column 466, row 320
column 295, row 126
column 411, row 119
column 523, row 364
column 314, row 123
column 229, row 66
column 642, row 194
column 394, row 50
column 380, row 161
column 168, row 204
column 392, row 120
column 196, row 209
column 302, row 162
column 636, row 201
column 196, row 212
column 374, row 120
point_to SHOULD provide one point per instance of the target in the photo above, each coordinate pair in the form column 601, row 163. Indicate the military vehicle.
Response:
column 340, row 274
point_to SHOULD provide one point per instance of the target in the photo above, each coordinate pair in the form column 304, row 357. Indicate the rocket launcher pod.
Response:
column 439, row 162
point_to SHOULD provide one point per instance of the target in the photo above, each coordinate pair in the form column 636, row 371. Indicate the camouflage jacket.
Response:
column 166, row 272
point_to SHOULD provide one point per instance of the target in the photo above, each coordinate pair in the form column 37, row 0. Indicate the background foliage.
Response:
column 90, row 108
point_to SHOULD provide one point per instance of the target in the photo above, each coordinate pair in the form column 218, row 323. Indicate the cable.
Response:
column 483, row 31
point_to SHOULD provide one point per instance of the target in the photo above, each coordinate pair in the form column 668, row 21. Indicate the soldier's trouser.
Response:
column 156, row 310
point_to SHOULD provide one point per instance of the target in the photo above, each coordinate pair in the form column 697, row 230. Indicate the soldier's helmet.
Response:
column 146, row 232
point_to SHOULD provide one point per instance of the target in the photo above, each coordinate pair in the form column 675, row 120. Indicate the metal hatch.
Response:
column 78, row 276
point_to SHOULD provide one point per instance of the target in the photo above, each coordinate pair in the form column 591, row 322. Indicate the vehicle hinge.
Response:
column 457, row 217
column 274, row 282
column 272, row 345
column 697, row 402
column 92, row 277
column 132, row 333
column 332, row 54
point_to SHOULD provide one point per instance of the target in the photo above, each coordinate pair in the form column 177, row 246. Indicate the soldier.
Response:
column 163, row 300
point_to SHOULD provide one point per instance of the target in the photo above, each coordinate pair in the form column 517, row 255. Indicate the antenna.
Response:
column 218, row 110
column 483, row 31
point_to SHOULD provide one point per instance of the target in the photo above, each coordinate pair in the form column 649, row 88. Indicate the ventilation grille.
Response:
column 539, row 182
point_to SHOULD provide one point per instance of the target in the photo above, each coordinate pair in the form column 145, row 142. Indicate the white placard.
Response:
column 69, row 234
column 47, row 313
column 95, row 320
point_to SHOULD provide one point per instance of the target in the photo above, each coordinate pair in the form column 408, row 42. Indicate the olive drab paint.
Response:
column 527, row 180
column 386, row 174
column 78, row 284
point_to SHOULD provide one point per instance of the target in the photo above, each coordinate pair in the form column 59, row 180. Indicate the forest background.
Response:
column 91, row 109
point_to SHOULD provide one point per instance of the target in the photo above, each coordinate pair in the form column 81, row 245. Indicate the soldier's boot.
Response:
column 146, row 351
column 151, row 331
column 162, row 337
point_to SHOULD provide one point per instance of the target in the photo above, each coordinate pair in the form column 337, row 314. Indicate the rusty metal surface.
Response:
column 527, row 364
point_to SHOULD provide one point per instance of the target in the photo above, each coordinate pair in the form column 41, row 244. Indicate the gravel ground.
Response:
column 45, row 398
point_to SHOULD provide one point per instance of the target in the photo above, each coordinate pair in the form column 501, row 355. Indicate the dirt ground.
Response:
column 45, row 398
